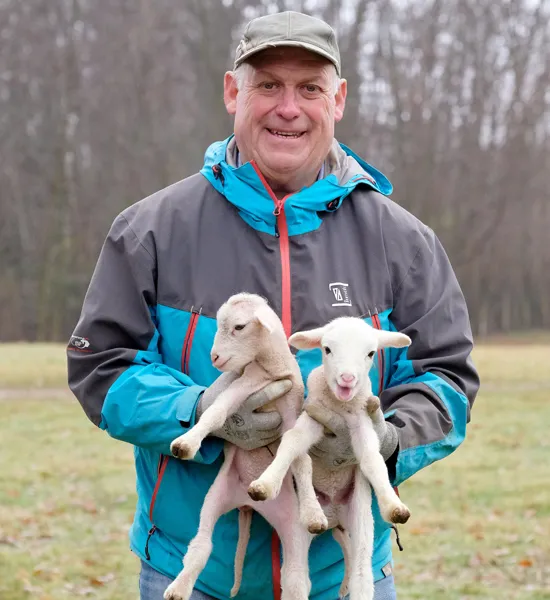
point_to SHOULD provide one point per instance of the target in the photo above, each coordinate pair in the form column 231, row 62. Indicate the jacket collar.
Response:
column 242, row 186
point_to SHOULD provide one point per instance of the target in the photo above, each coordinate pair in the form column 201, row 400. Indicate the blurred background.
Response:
column 103, row 103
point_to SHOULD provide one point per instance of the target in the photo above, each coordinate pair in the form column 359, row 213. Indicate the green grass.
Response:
column 480, row 518
column 33, row 366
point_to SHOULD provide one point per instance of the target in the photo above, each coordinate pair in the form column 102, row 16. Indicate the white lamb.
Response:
column 342, row 384
column 251, row 342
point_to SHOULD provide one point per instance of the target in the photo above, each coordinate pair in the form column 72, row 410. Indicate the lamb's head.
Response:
column 349, row 347
column 245, row 324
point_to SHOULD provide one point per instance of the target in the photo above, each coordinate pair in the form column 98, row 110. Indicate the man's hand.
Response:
column 335, row 450
column 247, row 428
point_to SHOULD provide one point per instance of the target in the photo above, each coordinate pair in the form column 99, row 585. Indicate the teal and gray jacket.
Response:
column 140, row 354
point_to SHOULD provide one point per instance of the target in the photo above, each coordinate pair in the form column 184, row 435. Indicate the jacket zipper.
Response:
column 281, row 232
column 163, row 460
column 188, row 341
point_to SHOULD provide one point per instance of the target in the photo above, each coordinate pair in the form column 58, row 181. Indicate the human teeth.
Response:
column 285, row 134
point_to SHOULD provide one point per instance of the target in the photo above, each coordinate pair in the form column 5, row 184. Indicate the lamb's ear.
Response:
column 392, row 339
column 307, row 340
column 264, row 316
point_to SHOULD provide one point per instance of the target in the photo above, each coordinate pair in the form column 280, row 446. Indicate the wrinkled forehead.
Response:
column 296, row 60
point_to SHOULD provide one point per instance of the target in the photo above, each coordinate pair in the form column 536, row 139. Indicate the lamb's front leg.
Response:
column 367, row 449
column 361, row 525
column 294, row 443
column 226, row 404
column 312, row 515
column 221, row 498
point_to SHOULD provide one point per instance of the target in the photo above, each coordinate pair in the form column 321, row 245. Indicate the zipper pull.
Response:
column 397, row 538
column 278, row 208
column 217, row 170
column 150, row 533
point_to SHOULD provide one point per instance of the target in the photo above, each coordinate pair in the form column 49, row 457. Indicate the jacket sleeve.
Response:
column 114, row 365
column 433, row 383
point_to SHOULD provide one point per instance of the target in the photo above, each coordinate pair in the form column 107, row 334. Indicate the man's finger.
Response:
column 329, row 419
column 270, row 392
column 267, row 421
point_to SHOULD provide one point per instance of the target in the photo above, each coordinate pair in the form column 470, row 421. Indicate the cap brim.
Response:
column 305, row 45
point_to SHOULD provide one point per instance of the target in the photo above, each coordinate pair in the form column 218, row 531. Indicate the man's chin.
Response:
column 284, row 169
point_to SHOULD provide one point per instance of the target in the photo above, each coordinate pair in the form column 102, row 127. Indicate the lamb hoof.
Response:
column 373, row 404
column 173, row 593
column 183, row 449
column 400, row 514
column 318, row 525
column 258, row 490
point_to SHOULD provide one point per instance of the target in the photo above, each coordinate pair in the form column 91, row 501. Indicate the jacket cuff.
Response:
column 187, row 406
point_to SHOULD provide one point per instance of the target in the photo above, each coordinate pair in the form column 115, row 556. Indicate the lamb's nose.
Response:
column 347, row 377
column 214, row 357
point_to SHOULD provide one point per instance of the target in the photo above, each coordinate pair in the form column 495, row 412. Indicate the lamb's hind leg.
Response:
column 283, row 515
column 341, row 535
column 220, row 499
column 361, row 526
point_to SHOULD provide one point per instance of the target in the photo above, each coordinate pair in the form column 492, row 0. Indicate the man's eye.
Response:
column 240, row 327
column 311, row 88
column 327, row 350
column 268, row 86
column 371, row 354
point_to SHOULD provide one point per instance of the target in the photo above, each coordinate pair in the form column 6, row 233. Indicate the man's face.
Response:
column 285, row 114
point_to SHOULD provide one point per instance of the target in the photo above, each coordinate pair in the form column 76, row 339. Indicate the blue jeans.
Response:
column 152, row 585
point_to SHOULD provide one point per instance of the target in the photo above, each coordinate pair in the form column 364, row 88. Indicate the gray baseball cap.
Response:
column 288, row 29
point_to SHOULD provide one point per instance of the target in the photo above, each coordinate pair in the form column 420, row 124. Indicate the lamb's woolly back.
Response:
column 249, row 330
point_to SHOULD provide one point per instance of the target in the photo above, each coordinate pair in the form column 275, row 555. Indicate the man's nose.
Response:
column 288, row 108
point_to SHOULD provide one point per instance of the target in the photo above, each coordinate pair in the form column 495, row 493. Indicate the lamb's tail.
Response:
column 245, row 520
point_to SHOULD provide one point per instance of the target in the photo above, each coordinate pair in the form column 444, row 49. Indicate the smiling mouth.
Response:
column 344, row 393
column 286, row 135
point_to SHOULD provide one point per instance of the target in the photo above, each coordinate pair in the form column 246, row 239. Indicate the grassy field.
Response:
column 481, row 518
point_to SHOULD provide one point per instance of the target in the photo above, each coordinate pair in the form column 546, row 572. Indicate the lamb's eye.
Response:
column 371, row 354
column 240, row 327
column 327, row 350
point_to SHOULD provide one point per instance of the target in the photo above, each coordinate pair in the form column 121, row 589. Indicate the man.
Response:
column 283, row 210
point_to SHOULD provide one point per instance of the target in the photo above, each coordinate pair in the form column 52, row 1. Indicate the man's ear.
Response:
column 340, row 99
column 307, row 340
column 230, row 92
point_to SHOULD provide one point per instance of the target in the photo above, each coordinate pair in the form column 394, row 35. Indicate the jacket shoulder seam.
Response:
column 137, row 238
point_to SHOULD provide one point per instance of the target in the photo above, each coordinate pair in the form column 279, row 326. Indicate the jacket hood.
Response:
column 242, row 186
